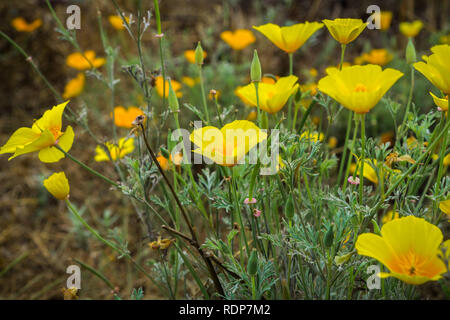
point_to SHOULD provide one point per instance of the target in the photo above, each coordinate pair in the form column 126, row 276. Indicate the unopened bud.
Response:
column 199, row 54
column 252, row 265
column 255, row 70
column 173, row 100
column 410, row 52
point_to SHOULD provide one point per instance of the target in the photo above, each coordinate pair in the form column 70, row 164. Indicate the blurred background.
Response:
column 38, row 239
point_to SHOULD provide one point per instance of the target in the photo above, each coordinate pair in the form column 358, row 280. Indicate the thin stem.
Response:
column 291, row 70
column 161, row 54
column 256, row 83
column 202, row 88
column 441, row 165
column 349, row 124
column 363, row 149
column 349, row 161
column 94, row 172
column 411, row 91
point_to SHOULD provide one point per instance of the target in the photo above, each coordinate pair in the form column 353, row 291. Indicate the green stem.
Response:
column 349, row 161
column 202, row 88
column 94, row 172
column 291, row 71
column 161, row 54
column 363, row 150
column 349, row 124
column 411, row 91
column 256, row 83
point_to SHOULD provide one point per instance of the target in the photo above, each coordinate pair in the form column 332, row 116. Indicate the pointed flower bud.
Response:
column 173, row 100
column 410, row 52
column 199, row 54
column 255, row 70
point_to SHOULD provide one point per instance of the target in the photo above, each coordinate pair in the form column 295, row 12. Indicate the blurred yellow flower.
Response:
column 175, row 85
column 58, row 185
column 389, row 216
column 442, row 103
column 377, row 56
column 117, row 22
column 290, row 38
column 411, row 29
column 445, row 206
column 269, row 80
column 190, row 82
column 312, row 136
column 252, row 116
column 385, row 20
column 447, row 160
column 21, row 25
column 408, row 247
column 229, row 145
column 238, row 39
column 190, row 56
column 272, row 97
column 216, row 95
column 77, row 61
column 124, row 147
column 332, row 142
column 313, row 72
column 345, row 30
column 74, row 87
column 43, row 136
column 359, row 88
column 445, row 39
column 124, row 117
column 437, row 67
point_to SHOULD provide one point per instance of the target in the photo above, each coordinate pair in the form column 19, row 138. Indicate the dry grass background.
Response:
column 36, row 227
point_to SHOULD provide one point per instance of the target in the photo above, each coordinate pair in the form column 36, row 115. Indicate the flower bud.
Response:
column 199, row 54
column 289, row 208
column 376, row 228
column 329, row 237
column 255, row 69
column 165, row 153
column 410, row 52
column 173, row 100
column 252, row 265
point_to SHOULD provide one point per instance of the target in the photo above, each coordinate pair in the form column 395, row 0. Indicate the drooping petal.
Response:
column 45, row 140
column 20, row 138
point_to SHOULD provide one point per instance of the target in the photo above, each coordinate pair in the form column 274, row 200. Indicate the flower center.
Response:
column 56, row 133
column 361, row 88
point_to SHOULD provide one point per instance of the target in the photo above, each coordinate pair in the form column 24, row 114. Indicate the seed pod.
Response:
column 329, row 237
column 255, row 69
column 252, row 265
column 199, row 54
column 289, row 208
column 410, row 52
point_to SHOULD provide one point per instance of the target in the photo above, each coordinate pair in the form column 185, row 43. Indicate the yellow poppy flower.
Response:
column 228, row 145
column 313, row 72
column 377, row 56
column 43, row 136
column 190, row 82
column 345, row 31
column 314, row 136
column 238, row 39
column 389, row 216
column 177, row 159
column 411, row 29
column 77, row 61
column 21, row 25
column 290, row 38
column 272, row 97
column 359, row 88
column 124, row 117
column 117, row 22
column 440, row 102
column 58, row 185
column 163, row 162
column 385, row 20
column 408, row 247
column 437, row 67
column 74, row 87
column 445, row 206
column 368, row 172
column 190, row 56
column 124, row 147
column 175, row 85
